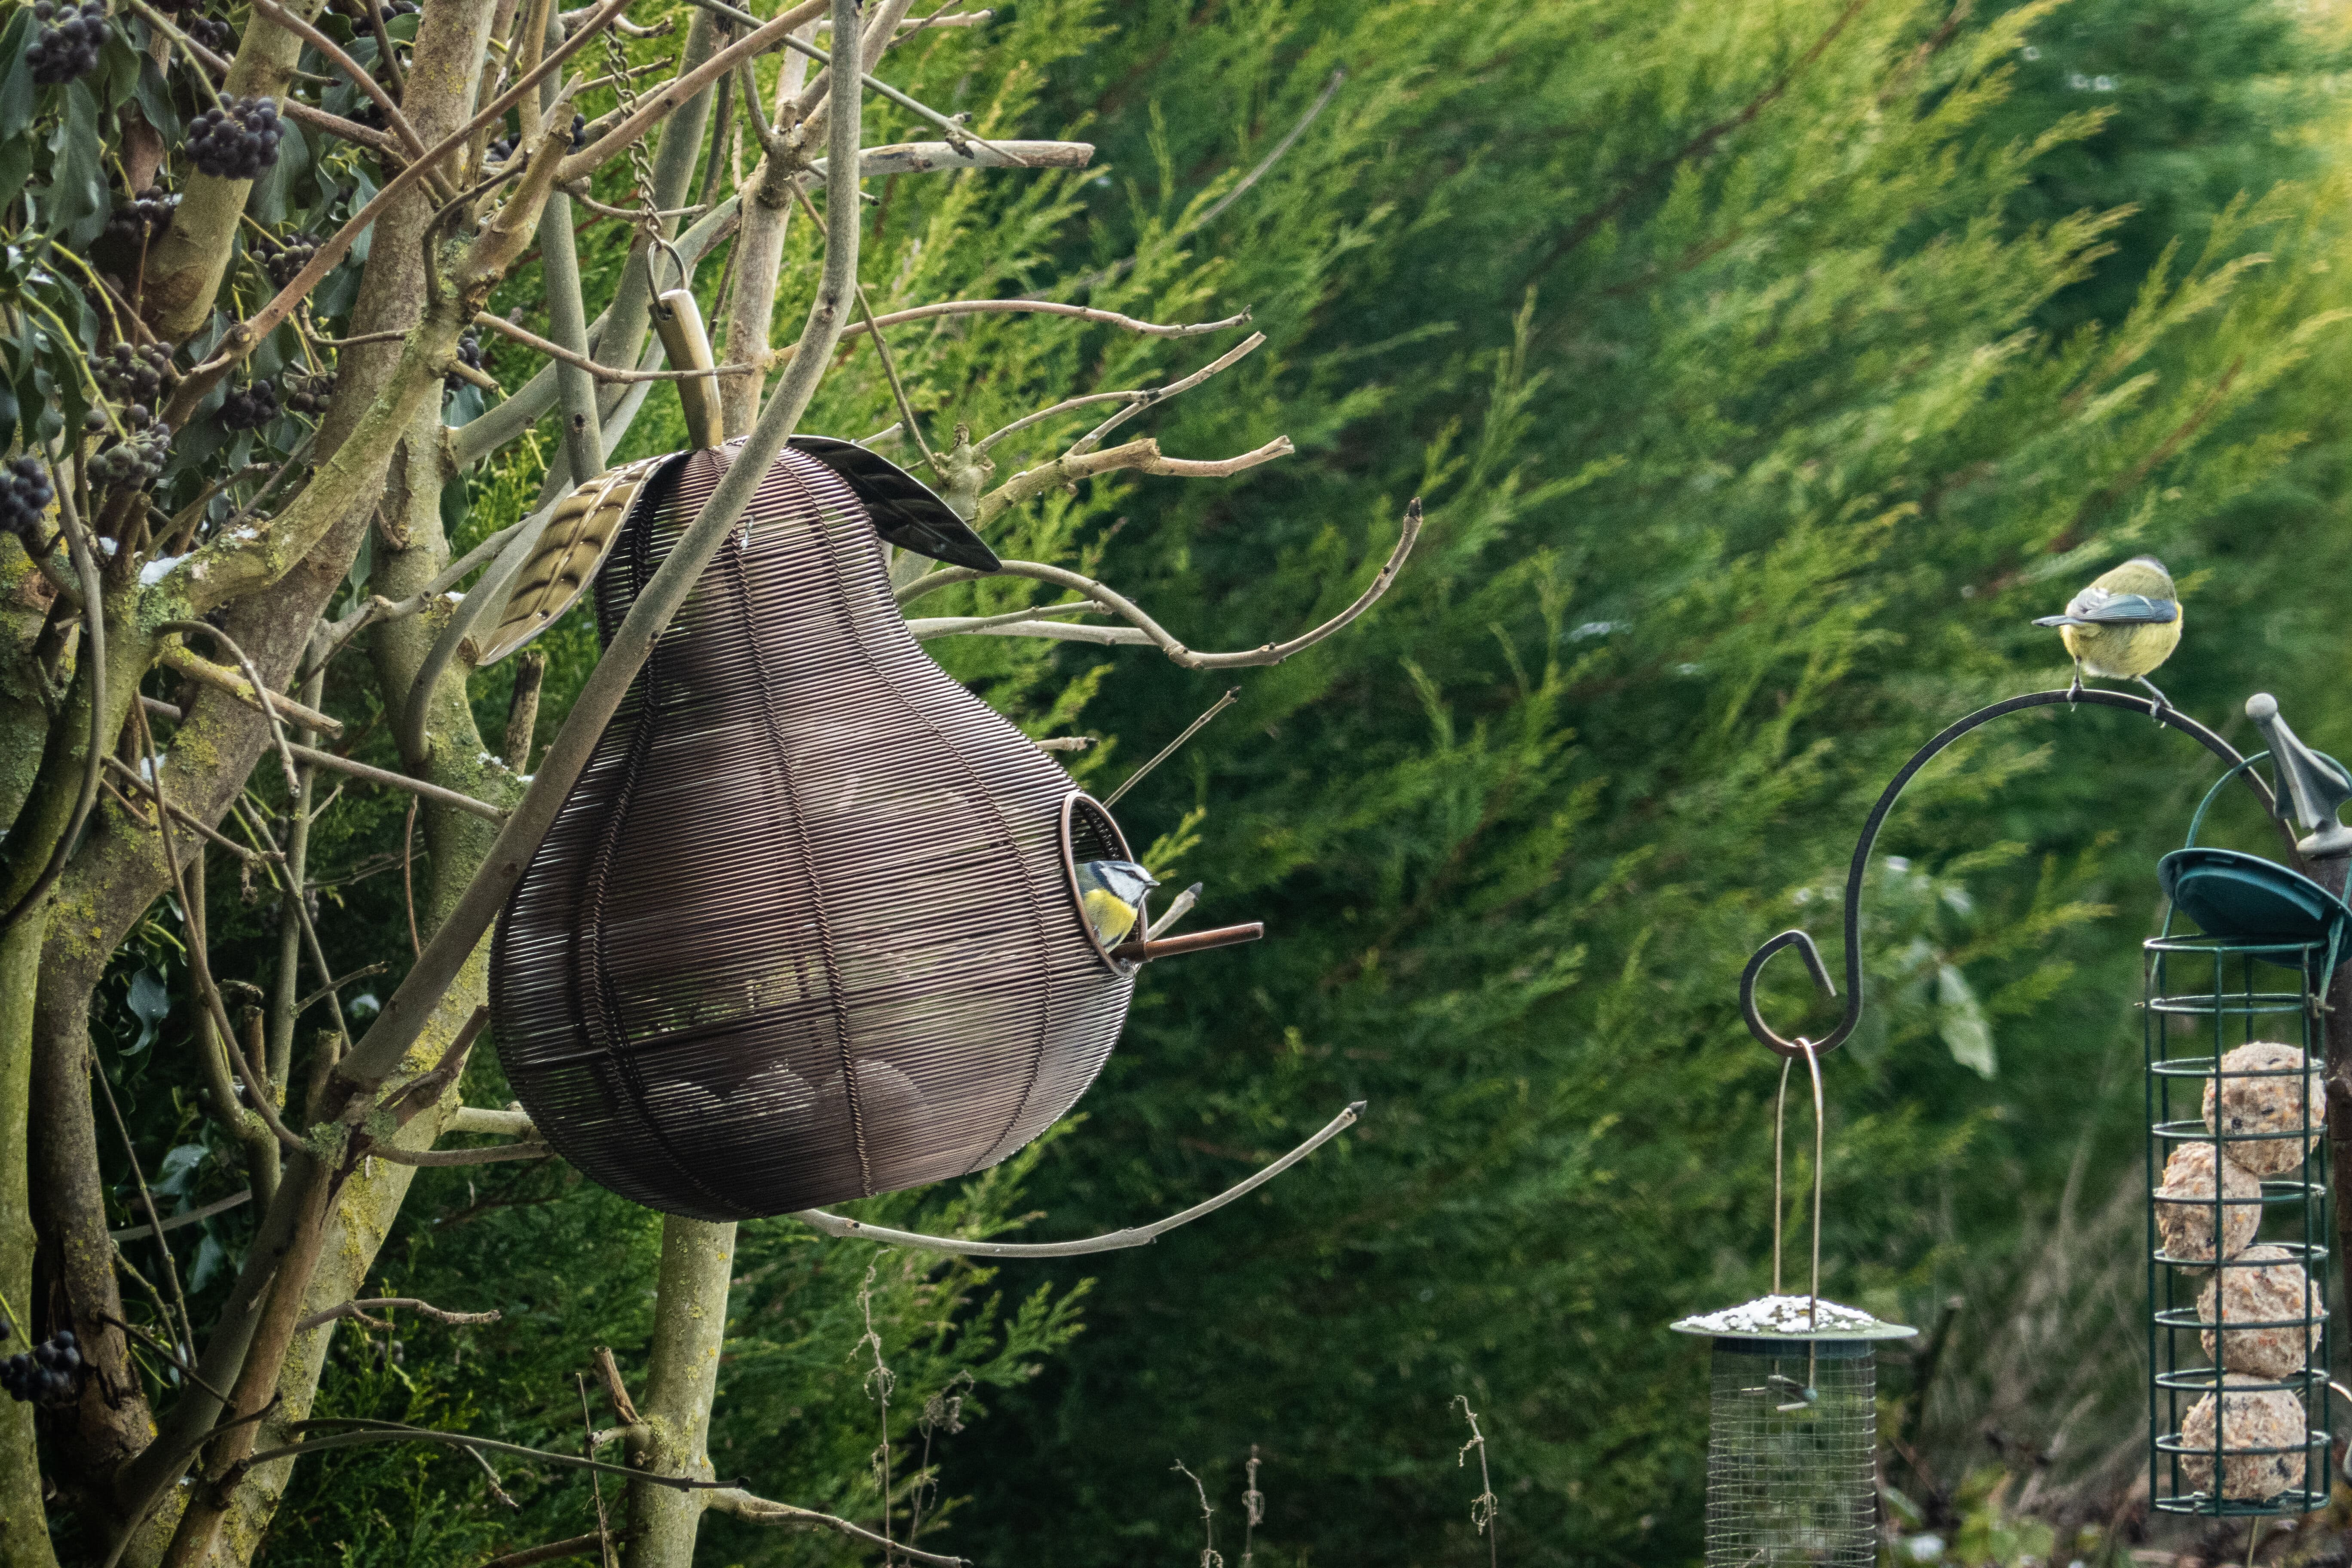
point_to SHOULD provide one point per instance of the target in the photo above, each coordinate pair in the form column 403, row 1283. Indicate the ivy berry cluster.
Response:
column 236, row 140
column 134, row 464
column 469, row 354
column 135, row 377
column 25, row 493
column 284, row 258
column 142, row 215
column 250, row 406
column 65, row 49
column 46, row 1372
column 308, row 393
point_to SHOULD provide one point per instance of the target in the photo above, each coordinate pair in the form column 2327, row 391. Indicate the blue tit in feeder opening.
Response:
column 2123, row 626
column 1112, row 891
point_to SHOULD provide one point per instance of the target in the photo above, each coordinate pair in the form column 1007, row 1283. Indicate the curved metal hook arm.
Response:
column 1886, row 799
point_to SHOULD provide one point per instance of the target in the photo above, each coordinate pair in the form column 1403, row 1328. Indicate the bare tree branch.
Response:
column 760, row 1510
column 841, row 1227
column 1142, row 457
column 420, row 1308
column 531, row 339
column 1127, row 609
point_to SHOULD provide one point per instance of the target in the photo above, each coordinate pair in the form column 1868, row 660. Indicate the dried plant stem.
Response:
column 1483, row 1507
column 1210, row 1557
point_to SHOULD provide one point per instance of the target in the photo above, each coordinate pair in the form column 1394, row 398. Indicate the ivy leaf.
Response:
column 1960, row 1019
column 179, row 1168
column 150, row 1003
column 155, row 105
column 80, row 202
column 19, row 98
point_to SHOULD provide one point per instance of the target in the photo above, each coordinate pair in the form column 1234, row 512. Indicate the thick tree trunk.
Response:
column 23, row 1525
column 698, row 1262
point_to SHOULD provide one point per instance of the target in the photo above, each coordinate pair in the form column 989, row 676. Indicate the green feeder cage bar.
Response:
column 2240, row 1422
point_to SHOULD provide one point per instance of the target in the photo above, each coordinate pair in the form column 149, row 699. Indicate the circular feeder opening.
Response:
column 1089, row 834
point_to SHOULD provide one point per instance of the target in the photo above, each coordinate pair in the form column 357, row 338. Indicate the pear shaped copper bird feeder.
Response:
column 811, row 924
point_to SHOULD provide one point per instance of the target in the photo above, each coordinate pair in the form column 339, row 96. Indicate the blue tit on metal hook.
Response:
column 2123, row 626
column 1112, row 892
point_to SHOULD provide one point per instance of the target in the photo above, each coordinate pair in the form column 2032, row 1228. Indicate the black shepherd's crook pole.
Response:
column 1895, row 787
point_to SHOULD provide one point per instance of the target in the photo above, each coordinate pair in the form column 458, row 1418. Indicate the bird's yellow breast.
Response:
column 2122, row 652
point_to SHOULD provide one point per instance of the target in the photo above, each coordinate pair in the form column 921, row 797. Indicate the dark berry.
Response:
column 212, row 34
column 469, row 353
column 283, row 259
column 142, row 215
column 578, row 131
column 133, row 464
column 25, row 496
column 308, row 393
column 46, row 1373
column 66, row 46
column 135, row 376
column 499, row 151
column 249, row 408
column 236, row 142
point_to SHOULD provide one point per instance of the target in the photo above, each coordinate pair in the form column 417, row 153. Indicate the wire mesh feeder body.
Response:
column 2239, row 1418
column 807, row 927
column 1792, row 1440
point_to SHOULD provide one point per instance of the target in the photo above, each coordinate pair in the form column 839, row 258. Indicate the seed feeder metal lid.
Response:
column 1792, row 1318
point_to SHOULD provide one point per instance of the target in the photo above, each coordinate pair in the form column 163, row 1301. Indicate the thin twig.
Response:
column 760, row 1510
column 1119, row 605
column 408, row 875
column 839, row 1226
column 531, row 339
column 432, row 791
column 578, row 1546
column 1037, row 307
column 147, row 1202
column 1232, row 696
column 421, row 1308
column 219, row 1206
column 1322, row 100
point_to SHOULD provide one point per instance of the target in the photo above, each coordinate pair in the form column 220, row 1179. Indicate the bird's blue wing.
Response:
column 2096, row 606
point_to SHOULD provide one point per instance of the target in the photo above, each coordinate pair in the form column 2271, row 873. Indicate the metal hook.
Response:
column 1772, row 1039
column 684, row 276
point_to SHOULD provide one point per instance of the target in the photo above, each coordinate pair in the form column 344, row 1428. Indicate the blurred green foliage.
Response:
column 1763, row 369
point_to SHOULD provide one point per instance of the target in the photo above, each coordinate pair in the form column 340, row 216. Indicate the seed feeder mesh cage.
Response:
column 1792, row 1429
column 1791, row 1480
column 2239, row 1417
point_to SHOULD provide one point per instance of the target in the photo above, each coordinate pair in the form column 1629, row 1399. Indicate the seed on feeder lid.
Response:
column 2277, row 1291
column 1792, row 1317
column 2261, row 1115
column 2186, row 1224
column 2269, row 1418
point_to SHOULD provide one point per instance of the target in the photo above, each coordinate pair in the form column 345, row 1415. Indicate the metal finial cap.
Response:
column 2304, row 784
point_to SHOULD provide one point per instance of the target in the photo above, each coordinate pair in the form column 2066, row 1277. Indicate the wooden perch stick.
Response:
column 1196, row 941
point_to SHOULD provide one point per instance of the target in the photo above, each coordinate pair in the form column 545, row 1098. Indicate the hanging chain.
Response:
column 641, row 168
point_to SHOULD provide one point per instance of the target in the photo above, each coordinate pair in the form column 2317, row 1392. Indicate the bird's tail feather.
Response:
column 2063, row 621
